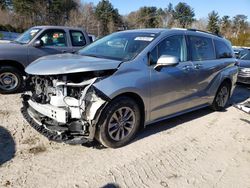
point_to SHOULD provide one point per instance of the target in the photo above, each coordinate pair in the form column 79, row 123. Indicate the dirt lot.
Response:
column 199, row 149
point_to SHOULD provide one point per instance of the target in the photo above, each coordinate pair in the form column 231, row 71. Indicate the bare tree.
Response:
column 200, row 24
column 84, row 17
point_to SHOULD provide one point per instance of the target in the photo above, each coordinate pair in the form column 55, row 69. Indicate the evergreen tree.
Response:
column 183, row 14
column 213, row 23
column 106, row 15
column 148, row 17
column 54, row 12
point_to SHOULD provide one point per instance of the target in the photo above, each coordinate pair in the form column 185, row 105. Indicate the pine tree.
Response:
column 213, row 23
column 106, row 15
column 183, row 14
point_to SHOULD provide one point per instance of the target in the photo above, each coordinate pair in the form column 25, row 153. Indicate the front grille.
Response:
column 242, row 73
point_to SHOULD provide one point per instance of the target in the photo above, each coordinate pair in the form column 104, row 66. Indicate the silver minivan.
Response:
column 126, row 80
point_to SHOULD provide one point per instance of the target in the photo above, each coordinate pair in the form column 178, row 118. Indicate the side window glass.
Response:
column 246, row 56
column 222, row 50
column 77, row 38
column 154, row 56
column 174, row 46
column 202, row 48
column 55, row 38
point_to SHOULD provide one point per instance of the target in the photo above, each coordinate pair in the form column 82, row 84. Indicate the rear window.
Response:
column 222, row 50
column 201, row 48
column 77, row 38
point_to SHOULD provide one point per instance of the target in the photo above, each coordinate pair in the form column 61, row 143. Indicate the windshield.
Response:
column 27, row 36
column 119, row 46
column 245, row 55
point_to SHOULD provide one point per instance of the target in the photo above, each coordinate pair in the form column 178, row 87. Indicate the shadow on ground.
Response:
column 171, row 123
column 111, row 185
column 7, row 146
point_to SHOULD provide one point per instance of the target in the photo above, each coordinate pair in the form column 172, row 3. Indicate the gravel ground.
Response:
column 199, row 149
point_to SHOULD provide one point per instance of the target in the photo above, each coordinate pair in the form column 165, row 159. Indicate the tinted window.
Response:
column 54, row 38
column 91, row 39
column 222, row 50
column 154, row 56
column 246, row 55
column 174, row 46
column 77, row 38
column 201, row 48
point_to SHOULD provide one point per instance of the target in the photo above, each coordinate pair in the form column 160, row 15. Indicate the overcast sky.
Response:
column 201, row 7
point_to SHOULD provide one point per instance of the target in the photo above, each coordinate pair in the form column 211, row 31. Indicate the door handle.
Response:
column 187, row 67
column 197, row 66
column 64, row 51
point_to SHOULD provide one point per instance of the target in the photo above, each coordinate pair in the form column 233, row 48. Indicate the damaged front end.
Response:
column 65, row 108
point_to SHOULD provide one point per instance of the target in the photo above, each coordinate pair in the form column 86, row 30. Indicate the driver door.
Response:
column 54, row 42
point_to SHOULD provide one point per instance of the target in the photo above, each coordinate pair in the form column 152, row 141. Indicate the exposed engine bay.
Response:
column 66, row 107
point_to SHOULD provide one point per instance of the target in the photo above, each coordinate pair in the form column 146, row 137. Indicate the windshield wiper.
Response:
column 91, row 55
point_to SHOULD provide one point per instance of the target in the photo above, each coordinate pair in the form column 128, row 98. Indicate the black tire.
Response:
column 17, row 80
column 221, row 105
column 103, row 134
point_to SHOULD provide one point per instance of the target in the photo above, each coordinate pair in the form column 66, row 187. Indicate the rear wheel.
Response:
column 119, row 122
column 221, row 97
column 10, row 80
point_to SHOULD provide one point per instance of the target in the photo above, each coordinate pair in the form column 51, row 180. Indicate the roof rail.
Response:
column 218, row 35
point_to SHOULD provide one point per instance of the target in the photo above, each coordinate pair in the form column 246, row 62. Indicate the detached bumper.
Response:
column 64, row 134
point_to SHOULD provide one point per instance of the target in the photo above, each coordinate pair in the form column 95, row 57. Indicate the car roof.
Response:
column 55, row 27
column 148, row 30
column 172, row 30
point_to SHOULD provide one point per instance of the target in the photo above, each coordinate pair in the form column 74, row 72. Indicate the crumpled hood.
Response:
column 244, row 63
column 69, row 63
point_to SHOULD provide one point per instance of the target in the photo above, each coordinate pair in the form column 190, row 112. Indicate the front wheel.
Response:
column 119, row 122
column 10, row 80
column 221, row 97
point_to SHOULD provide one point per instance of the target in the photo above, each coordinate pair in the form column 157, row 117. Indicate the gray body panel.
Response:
column 14, row 52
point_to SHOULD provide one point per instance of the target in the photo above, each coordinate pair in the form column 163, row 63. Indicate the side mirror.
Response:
column 38, row 43
column 166, row 60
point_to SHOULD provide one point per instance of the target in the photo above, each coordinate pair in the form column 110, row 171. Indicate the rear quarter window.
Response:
column 77, row 38
column 222, row 50
column 201, row 48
